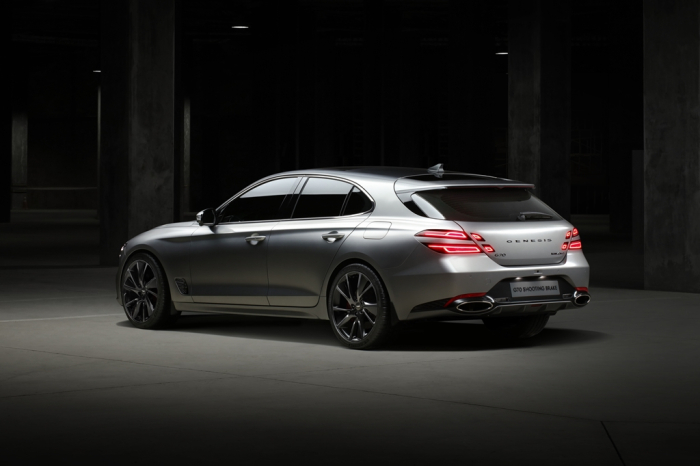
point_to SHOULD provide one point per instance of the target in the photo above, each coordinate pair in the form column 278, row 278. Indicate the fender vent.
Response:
column 182, row 286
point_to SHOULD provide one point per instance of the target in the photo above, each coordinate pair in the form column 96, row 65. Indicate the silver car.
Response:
column 365, row 248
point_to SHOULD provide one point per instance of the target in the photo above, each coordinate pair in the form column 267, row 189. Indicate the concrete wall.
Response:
column 54, row 127
column 672, row 145
column 539, row 99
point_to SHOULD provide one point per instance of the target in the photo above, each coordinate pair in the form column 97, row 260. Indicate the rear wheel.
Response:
column 358, row 308
column 517, row 327
column 145, row 293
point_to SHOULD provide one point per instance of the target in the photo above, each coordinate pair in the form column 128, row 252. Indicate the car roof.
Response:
column 412, row 179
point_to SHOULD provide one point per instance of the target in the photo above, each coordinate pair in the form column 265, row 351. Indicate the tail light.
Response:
column 488, row 248
column 571, row 234
column 582, row 288
column 455, row 248
column 464, row 246
column 445, row 234
column 477, row 237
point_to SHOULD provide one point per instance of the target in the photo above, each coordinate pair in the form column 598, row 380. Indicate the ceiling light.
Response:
column 501, row 53
column 239, row 27
column 96, row 71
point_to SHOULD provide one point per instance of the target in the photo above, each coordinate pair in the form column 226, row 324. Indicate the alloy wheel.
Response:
column 140, row 291
column 354, row 304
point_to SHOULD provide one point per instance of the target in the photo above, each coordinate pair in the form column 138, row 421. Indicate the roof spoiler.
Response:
column 410, row 185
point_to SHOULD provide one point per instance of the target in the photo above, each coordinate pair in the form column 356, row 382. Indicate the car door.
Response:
column 302, row 248
column 229, row 260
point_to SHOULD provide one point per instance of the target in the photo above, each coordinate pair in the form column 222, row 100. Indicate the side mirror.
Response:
column 207, row 217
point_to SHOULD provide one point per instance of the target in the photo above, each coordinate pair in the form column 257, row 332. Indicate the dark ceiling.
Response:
column 76, row 22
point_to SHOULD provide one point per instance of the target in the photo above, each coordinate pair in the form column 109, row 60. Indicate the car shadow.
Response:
column 474, row 336
column 420, row 336
column 314, row 332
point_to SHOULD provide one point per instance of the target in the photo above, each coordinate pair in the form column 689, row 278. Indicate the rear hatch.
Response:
column 519, row 228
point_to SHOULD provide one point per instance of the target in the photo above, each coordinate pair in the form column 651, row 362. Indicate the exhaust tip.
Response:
column 475, row 306
column 581, row 299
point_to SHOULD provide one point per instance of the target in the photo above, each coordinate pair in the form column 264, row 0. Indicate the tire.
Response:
column 517, row 327
column 363, row 323
column 145, row 293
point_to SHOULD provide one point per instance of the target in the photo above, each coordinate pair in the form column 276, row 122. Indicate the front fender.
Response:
column 170, row 247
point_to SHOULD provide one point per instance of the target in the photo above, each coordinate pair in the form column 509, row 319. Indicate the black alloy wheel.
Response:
column 145, row 293
column 358, row 308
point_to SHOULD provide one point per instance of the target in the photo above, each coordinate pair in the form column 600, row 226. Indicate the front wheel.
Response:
column 145, row 293
column 358, row 308
column 517, row 327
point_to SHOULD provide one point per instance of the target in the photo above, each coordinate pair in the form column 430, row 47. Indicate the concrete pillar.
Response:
column 20, row 137
column 637, row 224
column 672, row 145
column 99, row 139
column 193, row 98
column 6, row 155
column 141, row 118
column 539, row 98
column 204, row 125
column 624, row 105
column 471, row 84
column 6, row 171
column 186, row 155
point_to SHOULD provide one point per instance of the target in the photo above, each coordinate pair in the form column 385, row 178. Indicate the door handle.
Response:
column 255, row 239
column 332, row 236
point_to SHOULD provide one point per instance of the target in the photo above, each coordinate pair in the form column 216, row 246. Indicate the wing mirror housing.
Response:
column 207, row 217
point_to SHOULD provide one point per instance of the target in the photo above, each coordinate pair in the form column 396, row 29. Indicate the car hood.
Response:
column 190, row 223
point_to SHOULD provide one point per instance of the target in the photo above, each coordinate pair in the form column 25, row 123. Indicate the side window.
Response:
column 321, row 197
column 263, row 202
column 357, row 203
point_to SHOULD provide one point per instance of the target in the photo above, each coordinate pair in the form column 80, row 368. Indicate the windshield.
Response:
column 484, row 205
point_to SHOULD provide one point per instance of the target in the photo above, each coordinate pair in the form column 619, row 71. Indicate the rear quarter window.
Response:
column 357, row 203
column 484, row 205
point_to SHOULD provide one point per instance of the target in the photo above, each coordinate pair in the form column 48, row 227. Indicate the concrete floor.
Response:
column 616, row 383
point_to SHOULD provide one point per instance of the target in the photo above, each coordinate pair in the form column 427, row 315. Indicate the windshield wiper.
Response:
column 533, row 216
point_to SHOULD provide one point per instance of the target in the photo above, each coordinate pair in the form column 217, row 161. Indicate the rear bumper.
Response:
column 427, row 277
column 487, row 306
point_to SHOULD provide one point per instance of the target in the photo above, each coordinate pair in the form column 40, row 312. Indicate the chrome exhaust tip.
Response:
column 476, row 305
column 581, row 298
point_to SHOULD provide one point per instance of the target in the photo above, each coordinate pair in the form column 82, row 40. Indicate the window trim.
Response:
column 346, row 200
column 362, row 190
column 221, row 208
column 303, row 179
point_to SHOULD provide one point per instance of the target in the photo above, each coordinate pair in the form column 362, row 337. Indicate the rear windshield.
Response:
column 484, row 205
